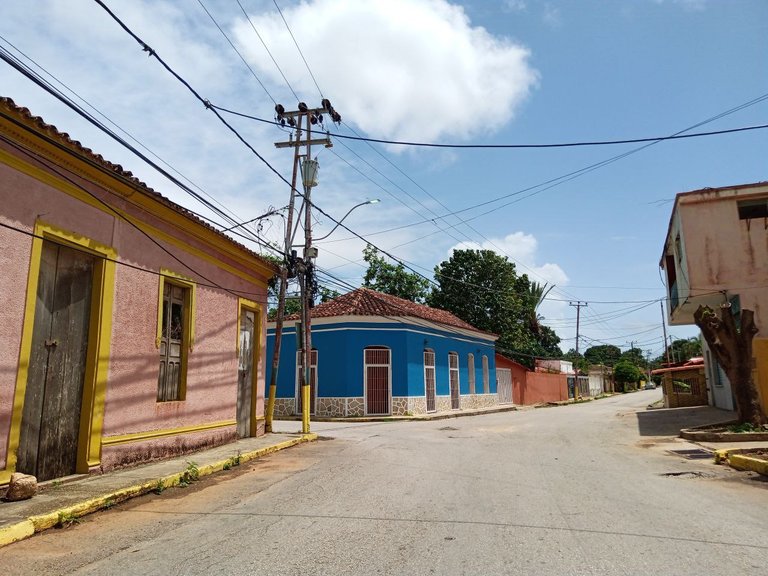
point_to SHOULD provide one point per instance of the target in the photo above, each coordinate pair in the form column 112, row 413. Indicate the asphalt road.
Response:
column 580, row 489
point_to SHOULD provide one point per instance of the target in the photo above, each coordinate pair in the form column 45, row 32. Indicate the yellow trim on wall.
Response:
column 190, row 311
column 153, row 434
column 156, row 208
column 257, row 334
column 99, row 343
column 186, row 282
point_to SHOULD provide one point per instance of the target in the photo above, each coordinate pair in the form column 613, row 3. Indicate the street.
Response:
column 581, row 489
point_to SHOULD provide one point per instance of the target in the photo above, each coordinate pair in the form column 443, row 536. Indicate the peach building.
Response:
column 716, row 252
column 131, row 330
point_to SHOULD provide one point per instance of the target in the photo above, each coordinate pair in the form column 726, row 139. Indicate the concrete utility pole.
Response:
column 664, row 329
column 578, row 305
column 304, row 268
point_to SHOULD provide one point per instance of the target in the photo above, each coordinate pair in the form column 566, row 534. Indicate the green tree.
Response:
column 681, row 350
column 607, row 354
column 388, row 278
column 636, row 357
column 626, row 374
column 483, row 288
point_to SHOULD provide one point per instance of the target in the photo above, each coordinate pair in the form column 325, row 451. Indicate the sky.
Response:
column 439, row 72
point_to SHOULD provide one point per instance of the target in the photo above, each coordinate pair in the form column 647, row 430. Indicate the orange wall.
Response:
column 541, row 387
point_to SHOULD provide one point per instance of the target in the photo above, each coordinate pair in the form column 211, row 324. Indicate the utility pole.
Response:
column 578, row 305
column 664, row 328
column 304, row 268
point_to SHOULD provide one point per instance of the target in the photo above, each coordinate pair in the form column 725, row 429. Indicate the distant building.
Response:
column 716, row 252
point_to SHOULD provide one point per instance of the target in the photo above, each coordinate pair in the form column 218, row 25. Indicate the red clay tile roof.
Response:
column 49, row 130
column 367, row 302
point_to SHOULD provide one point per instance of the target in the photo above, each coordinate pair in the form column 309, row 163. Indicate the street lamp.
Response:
column 374, row 201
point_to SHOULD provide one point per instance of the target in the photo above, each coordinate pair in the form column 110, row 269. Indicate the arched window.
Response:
column 377, row 370
column 486, row 378
column 471, row 372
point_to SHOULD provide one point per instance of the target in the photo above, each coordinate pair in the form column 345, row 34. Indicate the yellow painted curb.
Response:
column 41, row 522
column 16, row 532
column 741, row 462
column 721, row 456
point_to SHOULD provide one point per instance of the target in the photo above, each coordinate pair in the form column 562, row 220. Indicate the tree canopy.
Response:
column 484, row 289
column 607, row 354
column 388, row 278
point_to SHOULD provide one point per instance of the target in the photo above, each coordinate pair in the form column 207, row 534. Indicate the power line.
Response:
column 298, row 48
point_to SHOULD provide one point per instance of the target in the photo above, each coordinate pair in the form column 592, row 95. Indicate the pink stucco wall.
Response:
column 130, row 404
column 725, row 253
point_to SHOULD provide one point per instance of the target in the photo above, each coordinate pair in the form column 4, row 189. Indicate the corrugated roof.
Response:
column 367, row 302
column 25, row 115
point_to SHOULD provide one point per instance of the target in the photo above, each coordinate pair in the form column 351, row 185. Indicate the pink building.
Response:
column 130, row 329
column 716, row 252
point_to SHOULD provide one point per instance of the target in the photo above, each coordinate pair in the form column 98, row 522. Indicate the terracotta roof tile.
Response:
column 367, row 302
column 54, row 133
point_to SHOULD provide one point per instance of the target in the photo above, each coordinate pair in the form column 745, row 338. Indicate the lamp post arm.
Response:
column 344, row 218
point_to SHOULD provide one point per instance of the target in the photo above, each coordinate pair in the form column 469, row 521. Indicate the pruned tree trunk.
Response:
column 732, row 347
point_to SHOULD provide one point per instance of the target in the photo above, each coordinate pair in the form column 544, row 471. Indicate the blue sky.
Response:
column 507, row 72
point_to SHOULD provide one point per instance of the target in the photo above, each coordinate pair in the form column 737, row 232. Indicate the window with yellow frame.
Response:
column 175, row 334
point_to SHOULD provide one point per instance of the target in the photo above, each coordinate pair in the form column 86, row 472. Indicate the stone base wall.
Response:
column 285, row 407
column 406, row 405
column 401, row 405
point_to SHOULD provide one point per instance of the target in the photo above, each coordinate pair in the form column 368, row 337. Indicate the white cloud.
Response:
column 401, row 69
column 521, row 249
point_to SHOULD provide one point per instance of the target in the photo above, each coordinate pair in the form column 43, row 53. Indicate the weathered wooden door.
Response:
column 245, row 373
column 504, row 385
column 50, row 421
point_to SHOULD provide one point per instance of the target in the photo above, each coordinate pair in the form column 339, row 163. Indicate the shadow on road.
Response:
column 669, row 421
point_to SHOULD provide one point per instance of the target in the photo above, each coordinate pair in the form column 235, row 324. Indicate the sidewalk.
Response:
column 79, row 495
column 444, row 415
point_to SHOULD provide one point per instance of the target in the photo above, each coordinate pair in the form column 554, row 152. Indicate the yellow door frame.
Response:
column 243, row 304
column 99, row 344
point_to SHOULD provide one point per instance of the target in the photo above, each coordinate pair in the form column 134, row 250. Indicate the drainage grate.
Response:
column 693, row 454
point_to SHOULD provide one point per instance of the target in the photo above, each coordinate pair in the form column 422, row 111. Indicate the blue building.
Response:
column 375, row 354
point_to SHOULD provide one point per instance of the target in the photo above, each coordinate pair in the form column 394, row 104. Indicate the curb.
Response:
column 736, row 458
column 34, row 524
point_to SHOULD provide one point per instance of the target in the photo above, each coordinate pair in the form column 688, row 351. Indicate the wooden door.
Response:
column 429, row 379
column 50, row 422
column 504, row 385
column 245, row 372
column 453, row 375
column 377, row 393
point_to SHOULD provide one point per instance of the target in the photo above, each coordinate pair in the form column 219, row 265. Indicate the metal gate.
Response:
column 504, row 385
column 377, row 392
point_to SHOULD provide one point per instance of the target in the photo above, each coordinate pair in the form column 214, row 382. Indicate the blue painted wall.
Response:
column 340, row 358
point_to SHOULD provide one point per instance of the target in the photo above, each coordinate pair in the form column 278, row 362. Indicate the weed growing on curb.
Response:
column 108, row 503
column 67, row 519
column 159, row 487
column 234, row 461
column 191, row 474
